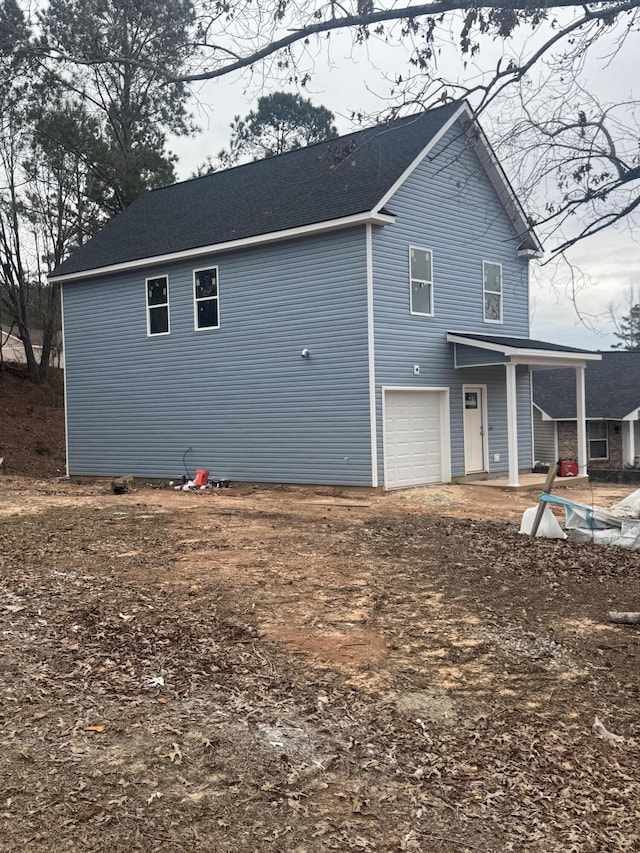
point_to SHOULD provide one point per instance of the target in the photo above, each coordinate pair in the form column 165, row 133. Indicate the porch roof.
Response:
column 535, row 354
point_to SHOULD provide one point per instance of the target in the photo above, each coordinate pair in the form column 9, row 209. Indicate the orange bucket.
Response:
column 202, row 477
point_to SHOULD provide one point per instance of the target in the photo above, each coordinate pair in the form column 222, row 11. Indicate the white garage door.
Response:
column 412, row 438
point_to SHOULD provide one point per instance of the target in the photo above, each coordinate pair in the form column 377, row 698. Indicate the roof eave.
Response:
column 522, row 355
column 530, row 253
column 366, row 218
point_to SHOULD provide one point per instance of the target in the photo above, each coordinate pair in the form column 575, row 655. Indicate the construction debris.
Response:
column 121, row 485
column 624, row 618
column 197, row 485
column 619, row 525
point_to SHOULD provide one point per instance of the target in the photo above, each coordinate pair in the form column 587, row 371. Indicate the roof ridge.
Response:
column 379, row 126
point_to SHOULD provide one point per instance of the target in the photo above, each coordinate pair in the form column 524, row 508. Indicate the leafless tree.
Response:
column 577, row 158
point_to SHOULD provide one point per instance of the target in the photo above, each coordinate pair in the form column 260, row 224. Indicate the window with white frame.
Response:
column 158, row 305
column 598, row 439
column 421, row 276
column 492, row 291
column 205, row 295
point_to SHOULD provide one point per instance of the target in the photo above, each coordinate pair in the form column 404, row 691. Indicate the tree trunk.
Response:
column 33, row 368
column 50, row 327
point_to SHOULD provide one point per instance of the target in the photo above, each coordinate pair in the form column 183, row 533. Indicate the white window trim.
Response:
column 605, row 439
column 146, row 299
column 430, row 283
column 494, row 292
column 205, row 299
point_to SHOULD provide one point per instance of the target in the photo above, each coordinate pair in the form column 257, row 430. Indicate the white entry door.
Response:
column 413, row 437
column 474, row 429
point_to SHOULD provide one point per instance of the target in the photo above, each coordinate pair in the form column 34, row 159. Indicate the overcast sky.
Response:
column 570, row 307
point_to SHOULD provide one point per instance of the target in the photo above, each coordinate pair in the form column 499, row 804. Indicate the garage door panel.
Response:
column 413, row 438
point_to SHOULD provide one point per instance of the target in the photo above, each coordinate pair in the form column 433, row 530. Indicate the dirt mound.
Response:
column 32, row 424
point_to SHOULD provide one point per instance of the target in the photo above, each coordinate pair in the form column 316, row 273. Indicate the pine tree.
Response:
column 628, row 330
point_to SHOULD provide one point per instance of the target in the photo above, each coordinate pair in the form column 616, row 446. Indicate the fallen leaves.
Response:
column 175, row 755
column 466, row 736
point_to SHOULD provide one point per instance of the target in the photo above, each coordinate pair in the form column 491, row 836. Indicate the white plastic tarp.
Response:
column 593, row 524
column 582, row 515
column 549, row 527
column 627, row 536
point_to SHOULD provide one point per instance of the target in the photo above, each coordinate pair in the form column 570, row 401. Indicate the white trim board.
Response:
column 65, row 379
column 371, row 218
column 371, row 355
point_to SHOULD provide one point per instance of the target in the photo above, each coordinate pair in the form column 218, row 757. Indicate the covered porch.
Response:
column 534, row 482
column 473, row 351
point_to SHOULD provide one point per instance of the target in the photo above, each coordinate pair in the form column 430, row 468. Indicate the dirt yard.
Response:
column 311, row 670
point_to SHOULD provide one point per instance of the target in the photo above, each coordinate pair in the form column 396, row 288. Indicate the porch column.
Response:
column 512, row 424
column 581, row 424
column 631, row 443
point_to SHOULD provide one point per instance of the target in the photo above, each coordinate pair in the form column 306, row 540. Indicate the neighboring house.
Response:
column 355, row 312
column 12, row 348
column 612, row 388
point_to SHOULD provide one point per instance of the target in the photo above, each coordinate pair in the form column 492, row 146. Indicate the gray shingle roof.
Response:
column 326, row 181
column 612, row 388
column 518, row 343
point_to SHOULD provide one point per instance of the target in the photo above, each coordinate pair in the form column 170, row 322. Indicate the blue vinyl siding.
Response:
column 238, row 400
column 475, row 357
column 449, row 206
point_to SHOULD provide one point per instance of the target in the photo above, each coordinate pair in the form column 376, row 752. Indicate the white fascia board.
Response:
column 535, row 357
column 371, row 355
column 541, row 359
column 64, row 380
column 530, row 253
column 367, row 218
column 501, row 183
column 464, row 109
